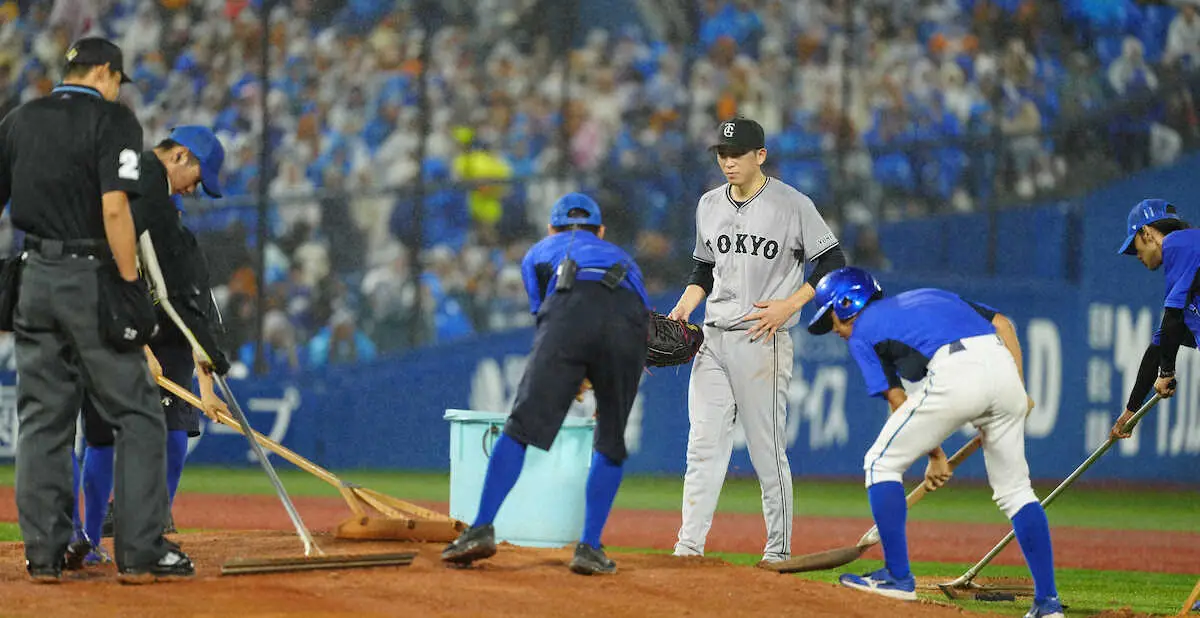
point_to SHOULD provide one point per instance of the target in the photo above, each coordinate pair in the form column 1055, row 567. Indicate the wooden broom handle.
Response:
column 266, row 442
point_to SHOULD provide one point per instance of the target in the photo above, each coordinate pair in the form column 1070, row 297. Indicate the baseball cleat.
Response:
column 882, row 583
column 172, row 565
column 97, row 557
column 475, row 543
column 76, row 555
column 589, row 560
column 1049, row 608
column 44, row 574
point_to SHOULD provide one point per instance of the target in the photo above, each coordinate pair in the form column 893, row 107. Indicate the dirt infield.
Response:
column 524, row 581
column 518, row 582
column 1152, row 551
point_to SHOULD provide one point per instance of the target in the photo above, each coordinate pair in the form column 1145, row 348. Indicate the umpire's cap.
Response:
column 1146, row 211
column 740, row 135
column 94, row 50
column 846, row 291
column 560, row 214
column 204, row 144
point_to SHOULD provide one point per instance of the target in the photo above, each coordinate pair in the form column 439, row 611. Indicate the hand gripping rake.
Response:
column 964, row 585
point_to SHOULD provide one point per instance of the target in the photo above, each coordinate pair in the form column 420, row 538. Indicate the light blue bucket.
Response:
column 545, row 508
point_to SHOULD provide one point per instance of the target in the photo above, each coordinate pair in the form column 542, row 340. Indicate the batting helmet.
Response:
column 1146, row 211
column 846, row 291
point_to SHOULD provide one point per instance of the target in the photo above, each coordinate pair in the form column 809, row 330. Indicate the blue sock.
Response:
column 504, row 468
column 76, row 522
column 890, row 511
column 177, row 443
column 97, row 487
column 1033, row 534
column 603, row 481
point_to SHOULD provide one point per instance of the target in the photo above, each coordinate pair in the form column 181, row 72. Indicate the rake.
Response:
column 376, row 516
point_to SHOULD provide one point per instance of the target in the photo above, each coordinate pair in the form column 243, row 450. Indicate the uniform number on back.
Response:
column 128, row 162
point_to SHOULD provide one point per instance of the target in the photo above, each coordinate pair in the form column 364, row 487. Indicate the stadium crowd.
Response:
column 876, row 109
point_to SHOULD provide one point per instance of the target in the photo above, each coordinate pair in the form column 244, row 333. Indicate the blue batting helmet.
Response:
column 1146, row 211
column 845, row 291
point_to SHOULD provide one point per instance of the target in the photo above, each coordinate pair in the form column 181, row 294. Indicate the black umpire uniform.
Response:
column 77, row 322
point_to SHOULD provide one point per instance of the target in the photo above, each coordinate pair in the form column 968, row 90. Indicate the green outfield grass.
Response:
column 1085, row 592
column 1082, row 506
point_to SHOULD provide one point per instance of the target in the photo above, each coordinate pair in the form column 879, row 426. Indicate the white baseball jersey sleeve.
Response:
column 758, row 250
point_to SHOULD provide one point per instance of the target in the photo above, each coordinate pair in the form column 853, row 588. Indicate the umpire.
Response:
column 70, row 161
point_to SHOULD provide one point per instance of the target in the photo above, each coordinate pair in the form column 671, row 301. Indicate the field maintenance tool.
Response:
column 833, row 558
column 1191, row 605
column 400, row 521
column 964, row 586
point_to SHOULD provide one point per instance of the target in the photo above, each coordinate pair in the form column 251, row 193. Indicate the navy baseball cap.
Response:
column 94, row 50
column 204, row 144
column 1146, row 211
column 740, row 134
column 571, row 201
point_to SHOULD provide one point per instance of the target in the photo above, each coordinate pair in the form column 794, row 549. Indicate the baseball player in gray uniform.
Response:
column 754, row 236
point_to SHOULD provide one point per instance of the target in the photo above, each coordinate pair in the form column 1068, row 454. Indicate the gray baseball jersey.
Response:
column 758, row 249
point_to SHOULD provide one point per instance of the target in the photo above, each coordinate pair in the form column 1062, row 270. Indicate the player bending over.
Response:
column 966, row 362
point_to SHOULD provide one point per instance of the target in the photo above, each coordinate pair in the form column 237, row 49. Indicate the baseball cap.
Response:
column 204, row 144
column 94, row 50
column 1146, row 212
column 571, row 201
column 741, row 134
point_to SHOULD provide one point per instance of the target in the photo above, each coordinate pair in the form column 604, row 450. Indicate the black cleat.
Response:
column 77, row 552
column 591, row 561
column 476, row 543
column 173, row 565
column 44, row 574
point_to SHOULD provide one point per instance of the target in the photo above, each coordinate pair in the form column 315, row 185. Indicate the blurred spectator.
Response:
column 1020, row 123
column 1183, row 36
column 340, row 343
column 280, row 351
column 1130, row 75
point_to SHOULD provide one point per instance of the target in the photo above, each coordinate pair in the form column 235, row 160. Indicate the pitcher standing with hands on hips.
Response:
column 754, row 236
column 70, row 163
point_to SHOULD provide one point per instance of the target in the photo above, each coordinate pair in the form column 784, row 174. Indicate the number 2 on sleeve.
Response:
column 128, row 162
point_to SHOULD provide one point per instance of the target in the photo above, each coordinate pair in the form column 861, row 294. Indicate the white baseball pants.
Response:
column 738, row 381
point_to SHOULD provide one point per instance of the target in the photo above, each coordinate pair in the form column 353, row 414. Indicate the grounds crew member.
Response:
column 69, row 163
column 174, row 266
column 592, row 318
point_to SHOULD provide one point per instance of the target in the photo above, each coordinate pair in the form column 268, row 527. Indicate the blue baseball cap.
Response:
column 204, row 144
column 571, row 201
column 1146, row 212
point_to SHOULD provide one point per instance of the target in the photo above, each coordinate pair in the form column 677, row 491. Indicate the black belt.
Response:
column 610, row 277
column 53, row 248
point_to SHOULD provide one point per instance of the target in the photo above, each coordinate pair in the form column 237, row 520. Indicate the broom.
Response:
column 401, row 520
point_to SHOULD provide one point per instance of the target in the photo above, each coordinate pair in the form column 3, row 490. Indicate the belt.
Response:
column 609, row 276
column 53, row 248
column 958, row 346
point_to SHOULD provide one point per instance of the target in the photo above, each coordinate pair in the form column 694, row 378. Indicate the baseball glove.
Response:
column 671, row 342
